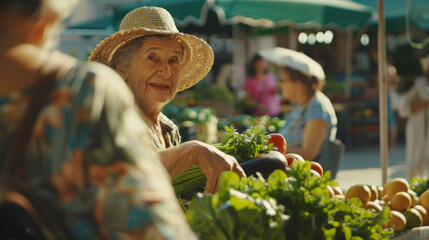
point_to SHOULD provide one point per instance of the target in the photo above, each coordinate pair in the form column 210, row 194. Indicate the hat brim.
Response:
column 197, row 59
column 295, row 60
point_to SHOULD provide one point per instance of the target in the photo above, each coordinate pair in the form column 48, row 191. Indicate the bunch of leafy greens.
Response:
column 302, row 196
column 232, row 214
column 247, row 145
column 419, row 185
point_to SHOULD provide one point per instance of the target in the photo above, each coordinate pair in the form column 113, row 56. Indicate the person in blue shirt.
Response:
column 313, row 120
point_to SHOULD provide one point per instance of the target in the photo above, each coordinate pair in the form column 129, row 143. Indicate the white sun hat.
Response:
column 295, row 60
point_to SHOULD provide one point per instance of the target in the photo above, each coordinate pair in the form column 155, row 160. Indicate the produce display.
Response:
column 313, row 212
column 300, row 201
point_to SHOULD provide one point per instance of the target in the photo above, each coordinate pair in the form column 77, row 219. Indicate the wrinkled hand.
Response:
column 213, row 162
column 208, row 158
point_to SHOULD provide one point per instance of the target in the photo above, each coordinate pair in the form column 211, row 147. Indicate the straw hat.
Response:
column 198, row 55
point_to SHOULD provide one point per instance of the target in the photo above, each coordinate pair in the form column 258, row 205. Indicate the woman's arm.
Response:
column 418, row 106
column 423, row 88
column 314, row 134
column 211, row 160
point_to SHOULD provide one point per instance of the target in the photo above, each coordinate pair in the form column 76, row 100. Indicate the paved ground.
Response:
column 363, row 166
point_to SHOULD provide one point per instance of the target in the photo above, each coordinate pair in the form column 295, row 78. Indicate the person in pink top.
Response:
column 261, row 88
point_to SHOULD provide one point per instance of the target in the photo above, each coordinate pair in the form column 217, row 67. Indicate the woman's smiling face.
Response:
column 154, row 71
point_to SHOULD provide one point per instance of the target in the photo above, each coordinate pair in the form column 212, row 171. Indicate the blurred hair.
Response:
column 313, row 84
column 251, row 67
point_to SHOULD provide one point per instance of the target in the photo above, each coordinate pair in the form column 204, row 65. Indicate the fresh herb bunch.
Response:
column 247, row 145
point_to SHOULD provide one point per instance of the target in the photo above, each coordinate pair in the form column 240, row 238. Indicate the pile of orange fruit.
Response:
column 408, row 210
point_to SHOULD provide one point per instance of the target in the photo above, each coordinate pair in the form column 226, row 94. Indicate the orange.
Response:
column 398, row 221
column 383, row 190
column 414, row 218
column 397, row 185
column 400, row 201
column 380, row 192
column 373, row 205
column 424, row 199
column 423, row 213
column 414, row 198
column 374, row 192
column 360, row 191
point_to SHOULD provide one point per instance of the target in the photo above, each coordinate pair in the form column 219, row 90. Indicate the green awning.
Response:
column 303, row 13
column 256, row 13
column 98, row 23
column 395, row 13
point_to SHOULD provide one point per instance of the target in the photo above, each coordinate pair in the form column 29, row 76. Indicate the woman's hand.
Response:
column 208, row 158
column 213, row 162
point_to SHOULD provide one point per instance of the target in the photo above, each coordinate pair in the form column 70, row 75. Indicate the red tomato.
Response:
column 317, row 167
column 293, row 157
column 278, row 141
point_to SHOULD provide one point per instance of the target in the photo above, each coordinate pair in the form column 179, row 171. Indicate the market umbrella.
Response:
column 397, row 11
column 268, row 13
column 293, row 59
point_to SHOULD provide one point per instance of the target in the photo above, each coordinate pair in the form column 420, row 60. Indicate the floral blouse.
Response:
column 92, row 153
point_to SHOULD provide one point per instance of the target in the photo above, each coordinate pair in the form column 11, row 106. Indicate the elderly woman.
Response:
column 156, row 61
column 89, row 151
column 312, row 121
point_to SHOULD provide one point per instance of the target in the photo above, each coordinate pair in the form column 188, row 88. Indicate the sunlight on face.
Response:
column 154, row 71
column 286, row 84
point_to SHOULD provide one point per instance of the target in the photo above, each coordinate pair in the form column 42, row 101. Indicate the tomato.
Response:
column 293, row 157
column 317, row 167
column 278, row 141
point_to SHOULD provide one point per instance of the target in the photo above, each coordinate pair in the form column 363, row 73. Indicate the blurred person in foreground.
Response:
column 414, row 106
column 89, row 150
column 312, row 121
column 157, row 61
column 261, row 88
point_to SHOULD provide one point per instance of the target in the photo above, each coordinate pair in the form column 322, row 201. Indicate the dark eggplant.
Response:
column 265, row 164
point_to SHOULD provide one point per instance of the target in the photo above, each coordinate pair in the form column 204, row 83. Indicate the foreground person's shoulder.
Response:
column 108, row 81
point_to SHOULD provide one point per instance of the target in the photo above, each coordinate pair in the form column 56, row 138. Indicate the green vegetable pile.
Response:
column 300, row 195
column 233, row 214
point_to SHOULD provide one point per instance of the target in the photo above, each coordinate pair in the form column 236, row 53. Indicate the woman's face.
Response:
column 154, row 71
column 289, row 88
column 260, row 65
